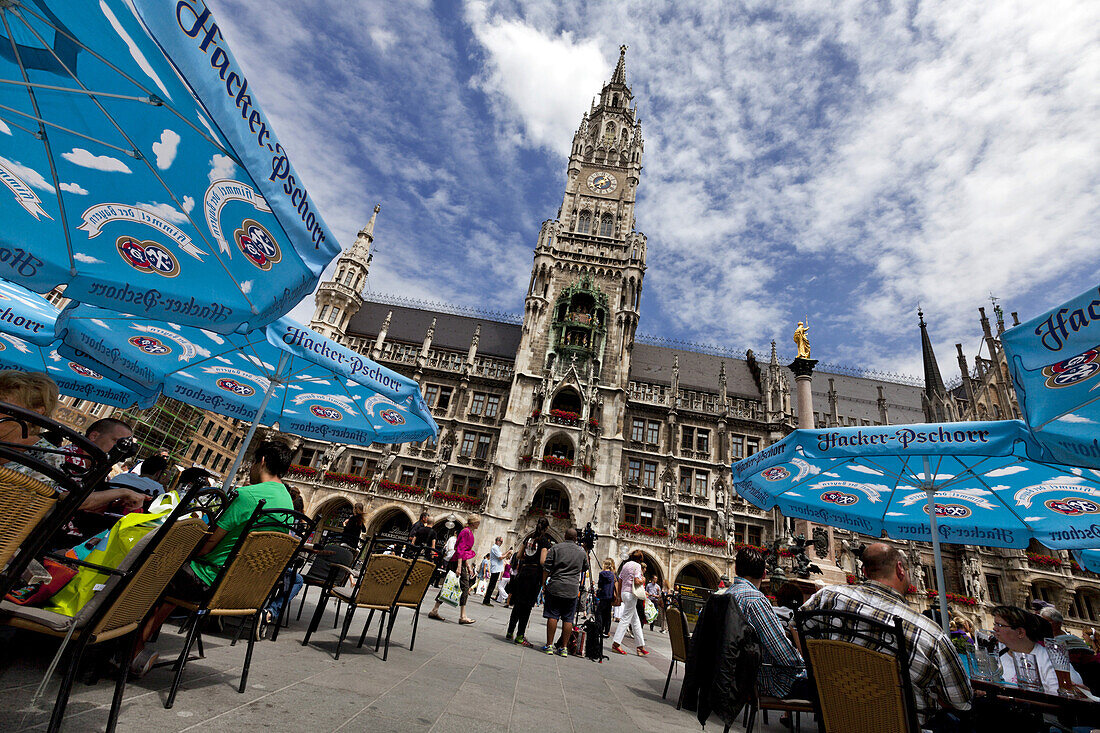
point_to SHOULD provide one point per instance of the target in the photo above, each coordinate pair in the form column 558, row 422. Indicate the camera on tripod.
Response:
column 587, row 537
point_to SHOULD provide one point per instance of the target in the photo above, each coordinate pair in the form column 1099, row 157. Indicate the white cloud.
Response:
column 86, row 259
column 75, row 188
column 165, row 150
column 138, row 56
column 216, row 338
column 85, row 159
column 99, row 322
column 4, row 128
column 544, row 82
column 221, row 166
column 246, row 287
column 166, row 212
column 864, row 469
column 29, row 175
column 188, row 204
column 1073, row 418
column 383, row 38
column 1006, row 471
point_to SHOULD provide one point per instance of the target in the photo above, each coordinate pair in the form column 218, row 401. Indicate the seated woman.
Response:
column 36, row 392
column 1020, row 631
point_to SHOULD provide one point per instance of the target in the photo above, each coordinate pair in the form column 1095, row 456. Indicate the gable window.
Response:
column 492, row 405
column 444, row 398
column 754, row 536
column 637, row 429
column 652, row 432
column 431, row 393
column 633, row 471
column 701, row 480
column 408, row 475
column 702, row 440
column 477, row 403
column 993, row 583
column 483, row 441
column 468, row 441
column 630, row 513
column 687, row 438
column 649, row 474
column 645, row 516
column 752, row 445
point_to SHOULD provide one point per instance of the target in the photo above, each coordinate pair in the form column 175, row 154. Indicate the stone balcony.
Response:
column 362, row 485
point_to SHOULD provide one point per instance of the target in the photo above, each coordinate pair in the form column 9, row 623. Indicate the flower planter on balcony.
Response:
column 402, row 489
column 348, row 478
column 557, row 464
column 700, row 540
column 642, row 530
column 304, row 472
column 952, row 598
column 471, row 502
column 1047, row 562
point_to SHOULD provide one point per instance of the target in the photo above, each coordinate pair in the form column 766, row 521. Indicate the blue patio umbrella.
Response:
column 1088, row 559
column 1055, row 363
column 974, row 483
column 283, row 373
column 26, row 315
column 138, row 169
column 73, row 378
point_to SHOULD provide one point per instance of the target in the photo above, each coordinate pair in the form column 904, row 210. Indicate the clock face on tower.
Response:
column 602, row 182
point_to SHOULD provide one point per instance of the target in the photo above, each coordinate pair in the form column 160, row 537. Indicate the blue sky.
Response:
column 838, row 161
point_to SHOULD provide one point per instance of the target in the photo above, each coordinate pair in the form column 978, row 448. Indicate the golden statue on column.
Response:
column 802, row 340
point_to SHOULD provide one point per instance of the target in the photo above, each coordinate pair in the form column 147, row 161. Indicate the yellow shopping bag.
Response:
column 109, row 553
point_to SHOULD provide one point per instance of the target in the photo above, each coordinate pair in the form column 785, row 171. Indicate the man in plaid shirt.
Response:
column 782, row 674
column 934, row 667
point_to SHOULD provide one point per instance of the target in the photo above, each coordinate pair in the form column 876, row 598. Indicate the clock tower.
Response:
column 560, row 447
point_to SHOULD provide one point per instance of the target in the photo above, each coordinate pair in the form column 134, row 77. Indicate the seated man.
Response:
column 783, row 673
column 105, row 434
column 144, row 480
column 935, row 670
column 193, row 581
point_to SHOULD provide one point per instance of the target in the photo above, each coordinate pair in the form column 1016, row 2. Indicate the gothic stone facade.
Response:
column 564, row 414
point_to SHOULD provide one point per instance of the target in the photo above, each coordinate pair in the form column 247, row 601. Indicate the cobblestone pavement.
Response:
column 458, row 678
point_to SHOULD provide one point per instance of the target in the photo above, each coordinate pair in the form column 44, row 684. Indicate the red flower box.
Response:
column 297, row 470
column 586, row 470
column 953, row 598
column 348, row 478
column 525, row 459
column 1047, row 561
column 911, row 590
column 852, row 580
column 700, row 539
column 747, row 546
column 565, row 415
column 639, row 529
column 553, row 462
column 560, row 515
column 402, row 488
column 470, row 501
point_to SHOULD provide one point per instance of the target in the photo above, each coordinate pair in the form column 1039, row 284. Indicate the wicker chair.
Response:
column 860, row 668
column 120, row 609
column 32, row 511
column 680, row 640
column 243, row 584
column 765, row 703
column 377, row 588
column 412, row 595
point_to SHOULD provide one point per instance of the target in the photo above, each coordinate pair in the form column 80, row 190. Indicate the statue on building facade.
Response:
column 916, row 568
column 846, row 558
column 972, row 577
column 802, row 565
column 802, row 340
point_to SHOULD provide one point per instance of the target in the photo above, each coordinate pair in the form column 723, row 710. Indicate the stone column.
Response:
column 803, row 370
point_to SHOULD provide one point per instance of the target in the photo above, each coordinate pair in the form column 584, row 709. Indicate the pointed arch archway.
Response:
column 391, row 519
column 332, row 514
column 652, row 565
column 698, row 574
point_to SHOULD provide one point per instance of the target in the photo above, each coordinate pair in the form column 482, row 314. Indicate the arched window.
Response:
column 333, row 315
column 584, row 223
column 348, row 278
column 615, row 100
column 606, row 225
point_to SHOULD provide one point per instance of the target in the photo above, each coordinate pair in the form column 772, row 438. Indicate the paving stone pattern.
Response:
column 465, row 679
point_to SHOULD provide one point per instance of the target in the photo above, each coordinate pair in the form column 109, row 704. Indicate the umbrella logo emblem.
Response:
column 326, row 413
column 83, row 370
column 839, row 498
column 232, row 385
column 258, row 245
column 951, row 511
column 1073, row 370
column 776, row 473
column 1073, row 506
column 150, row 345
column 393, row 417
column 147, row 257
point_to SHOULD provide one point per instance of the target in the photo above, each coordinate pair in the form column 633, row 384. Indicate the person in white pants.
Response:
column 628, row 589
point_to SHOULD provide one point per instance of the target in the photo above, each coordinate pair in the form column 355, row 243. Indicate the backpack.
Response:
column 593, row 645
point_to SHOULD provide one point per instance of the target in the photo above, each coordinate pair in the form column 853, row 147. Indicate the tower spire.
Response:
column 368, row 230
column 933, row 382
column 619, row 77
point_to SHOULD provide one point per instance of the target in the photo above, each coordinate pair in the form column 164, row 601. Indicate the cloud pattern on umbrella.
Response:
column 322, row 389
column 147, row 182
column 990, row 490
column 1055, row 363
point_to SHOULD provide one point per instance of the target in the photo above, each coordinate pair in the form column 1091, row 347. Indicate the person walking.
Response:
column 463, row 554
column 629, row 588
column 527, row 580
column 565, row 565
column 653, row 592
column 605, row 595
column 496, row 567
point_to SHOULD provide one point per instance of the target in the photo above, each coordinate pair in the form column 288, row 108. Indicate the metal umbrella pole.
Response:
column 930, row 489
column 277, row 379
